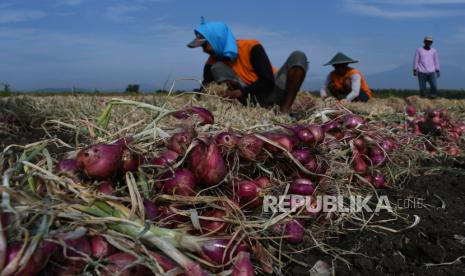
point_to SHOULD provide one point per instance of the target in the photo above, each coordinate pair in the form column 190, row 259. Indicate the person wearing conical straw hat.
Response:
column 344, row 82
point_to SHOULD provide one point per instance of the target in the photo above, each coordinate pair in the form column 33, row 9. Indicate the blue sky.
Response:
column 107, row 44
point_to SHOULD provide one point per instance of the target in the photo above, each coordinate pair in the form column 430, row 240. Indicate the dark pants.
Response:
column 423, row 78
column 222, row 72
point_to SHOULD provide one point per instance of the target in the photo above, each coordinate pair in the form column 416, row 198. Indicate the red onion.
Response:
column 123, row 264
column 353, row 121
column 333, row 128
column 302, row 132
column 221, row 251
column 211, row 226
column 317, row 133
column 410, row 110
column 74, row 248
column 207, row 164
column 377, row 156
column 311, row 164
column 37, row 261
column 227, row 140
column 180, row 114
column 301, row 186
column 159, row 161
column 378, row 181
column 125, row 141
column 164, row 262
column 436, row 120
column 461, row 128
column 302, row 155
column 130, row 161
column 433, row 112
column 100, row 247
column 358, row 164
column 330, row 126
column 305, row 135
column 453, row 151
column 179, row 142
column 457, row 129
column 263, row 182
column 100, row 161
column 205, row 116
column 248, row 194
column 78, row 245
column 182, row 182
column 169, row 219
column 105, row 187
column 453, row 136
column 166, row 158
column 360, row 144
column 243, row 266
column 250, row 147
column 151, row 209
column 281, row 139
column 388, row 144
column 293, row 229
column 417, row 130
column 67, row 165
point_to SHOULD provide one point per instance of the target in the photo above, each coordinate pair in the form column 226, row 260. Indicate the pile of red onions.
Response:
column 442, row 132
column 195, row 165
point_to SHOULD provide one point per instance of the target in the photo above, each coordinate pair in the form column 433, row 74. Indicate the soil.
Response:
column 439, row 238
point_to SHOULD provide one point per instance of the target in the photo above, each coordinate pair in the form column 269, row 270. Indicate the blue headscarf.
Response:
column 220, row 38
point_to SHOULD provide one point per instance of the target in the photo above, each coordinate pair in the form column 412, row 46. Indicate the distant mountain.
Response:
column 452, row 77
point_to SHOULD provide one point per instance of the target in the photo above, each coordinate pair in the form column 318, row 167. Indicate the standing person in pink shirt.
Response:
column 426, row 67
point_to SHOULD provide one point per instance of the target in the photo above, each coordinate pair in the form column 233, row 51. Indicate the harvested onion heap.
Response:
column 441, row 133
column 204, row 212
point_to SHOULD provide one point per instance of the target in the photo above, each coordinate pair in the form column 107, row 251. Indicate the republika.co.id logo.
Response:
column 326, row 203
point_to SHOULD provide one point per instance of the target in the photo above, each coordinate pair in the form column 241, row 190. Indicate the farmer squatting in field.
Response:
column 344, row 82
column 246, row 68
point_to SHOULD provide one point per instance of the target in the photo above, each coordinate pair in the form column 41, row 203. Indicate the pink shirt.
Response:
column 426, row 61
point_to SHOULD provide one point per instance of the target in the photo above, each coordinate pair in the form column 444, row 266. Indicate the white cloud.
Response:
column 395, row 9
column 14, row 15
column 122, row 12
